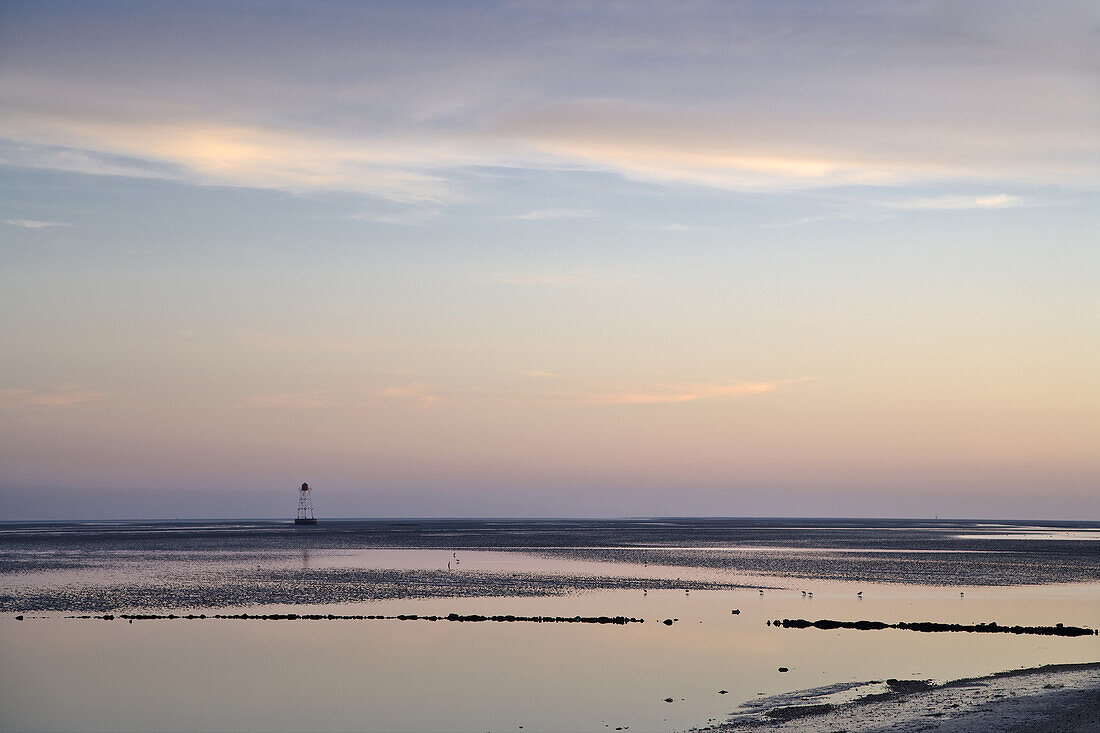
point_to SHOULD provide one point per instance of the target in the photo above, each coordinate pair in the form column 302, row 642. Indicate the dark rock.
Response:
column 798, row 711
column 668, row 699
column 931, row 626
column 667, row 622
column 784, row 669
column 906, row 686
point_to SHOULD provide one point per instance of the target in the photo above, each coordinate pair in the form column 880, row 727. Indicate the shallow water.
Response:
column 82, row 674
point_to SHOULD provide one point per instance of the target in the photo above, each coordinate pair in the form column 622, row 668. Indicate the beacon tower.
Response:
column 305, row 506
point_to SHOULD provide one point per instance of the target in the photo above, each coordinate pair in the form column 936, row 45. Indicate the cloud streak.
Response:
column 549, row 214
column 555, row 278
column 34, row 224
column 732, row 96
column 581, row 392
column 567, row 391
column 413, row 393
column 885, row 210
column 215, row 153
column 308, row 400
column 959, row 203
column 69, row 396
column 673, row 393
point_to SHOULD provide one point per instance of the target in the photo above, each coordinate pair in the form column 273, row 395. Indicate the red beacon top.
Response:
column 305, row 487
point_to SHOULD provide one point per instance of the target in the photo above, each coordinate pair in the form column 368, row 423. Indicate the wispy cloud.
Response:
column 396, row 105
column 579, row 392
column 548, row 214
column 646, row 150
column 319, row 344
column 217, row 153
column 883, row 210
column 669, row 228
column 34, row 224
column 68, row 396
column 951, row 203
column 290, row 401
column 826, row 218
column 659, row 394
column 555, row 278
column 414, row 392
column 407, row 219
column 548, row 388
column 540, row 374
column 33, row 153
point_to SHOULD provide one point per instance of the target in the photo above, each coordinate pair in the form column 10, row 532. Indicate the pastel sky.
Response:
column 550, row 258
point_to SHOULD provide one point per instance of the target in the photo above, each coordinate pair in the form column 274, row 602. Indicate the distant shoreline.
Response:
column 1054, row 698
column 1019, row 521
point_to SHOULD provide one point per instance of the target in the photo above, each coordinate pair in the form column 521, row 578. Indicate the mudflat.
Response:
column 409, row 626
column 1049, row 699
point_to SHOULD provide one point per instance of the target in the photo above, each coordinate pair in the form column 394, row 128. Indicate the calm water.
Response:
column 59, row 673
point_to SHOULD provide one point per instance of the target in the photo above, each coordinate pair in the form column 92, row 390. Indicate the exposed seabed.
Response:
column 1059, row 698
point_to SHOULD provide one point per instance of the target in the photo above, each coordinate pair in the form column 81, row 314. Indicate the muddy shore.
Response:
column 1050, row 699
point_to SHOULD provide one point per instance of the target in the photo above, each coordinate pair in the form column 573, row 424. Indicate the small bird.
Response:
column 810, row 594
column 860, row 594
column 803, row 592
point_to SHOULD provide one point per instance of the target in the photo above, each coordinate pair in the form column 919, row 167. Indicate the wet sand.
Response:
column 1049, row 699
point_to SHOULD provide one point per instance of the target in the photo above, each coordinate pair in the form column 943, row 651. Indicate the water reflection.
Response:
column 237, row 675
column 416, row 676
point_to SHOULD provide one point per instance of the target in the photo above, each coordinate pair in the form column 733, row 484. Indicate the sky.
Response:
column 550, row 259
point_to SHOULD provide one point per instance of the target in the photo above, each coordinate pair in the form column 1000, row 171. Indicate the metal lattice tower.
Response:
column 305, row 506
